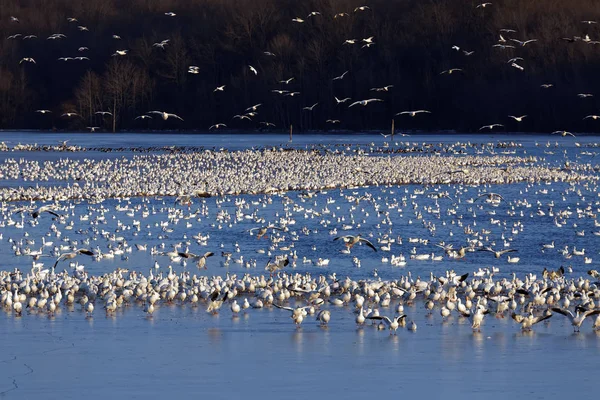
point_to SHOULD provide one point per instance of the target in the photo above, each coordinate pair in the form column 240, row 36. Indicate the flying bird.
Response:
column 363, row 102
column 165, row 115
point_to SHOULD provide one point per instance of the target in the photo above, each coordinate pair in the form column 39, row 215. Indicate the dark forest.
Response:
column 469, row 65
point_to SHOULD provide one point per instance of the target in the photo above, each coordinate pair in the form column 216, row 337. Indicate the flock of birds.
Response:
column 345, row 224
column 504, row 43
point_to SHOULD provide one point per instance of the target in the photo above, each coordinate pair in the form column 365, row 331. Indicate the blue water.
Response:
column 261, row 354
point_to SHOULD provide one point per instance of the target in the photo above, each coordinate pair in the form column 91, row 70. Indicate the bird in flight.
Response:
column 483, row 5
column 298, row 20
column 217, row 126
column 413, row 113
column 253, row 69
column 594, row 117
column 287, row 81
column 337, row 78
column 492, row 126
column 350, row 241
column 363, row 102
column 37, row 212
column 165, row 115
column 362, row 8
column 219, row 89
column 382, row 89
column 523, row 43
column 310, row 108
column 563, row 133
column 546, row 85
column 450, row 71
column 338, row 101
column 518, row 119
column 69, row 114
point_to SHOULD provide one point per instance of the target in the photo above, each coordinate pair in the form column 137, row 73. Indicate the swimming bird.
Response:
column 581, row 314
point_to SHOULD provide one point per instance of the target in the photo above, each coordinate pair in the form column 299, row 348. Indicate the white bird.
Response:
column 580, row 315
column 299, row 20
column 351, row 240
column 27, row 59
column 338, row 101
column 563, row 133
column 170, row 14
column 165, row 115
column 219, row 88
column 287, row 81
column 217, row 126
column 527, row 321
column 413, row 113
column 337, row 78
column 311, row 107
column 518, row 119
column 324, row 316
column 363, row 102
column 451, row 70
column 492, row 126
column 362, row 8
column 392, row 324
column 120, row 53
column 298, row 313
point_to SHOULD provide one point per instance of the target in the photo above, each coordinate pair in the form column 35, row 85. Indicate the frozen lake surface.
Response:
column 185, row 351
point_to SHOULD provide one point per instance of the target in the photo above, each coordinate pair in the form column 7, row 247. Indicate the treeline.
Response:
column 413, row 42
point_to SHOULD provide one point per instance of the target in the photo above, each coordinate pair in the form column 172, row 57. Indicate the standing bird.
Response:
column 580, row 315
column 392, row 324
column 527, row 321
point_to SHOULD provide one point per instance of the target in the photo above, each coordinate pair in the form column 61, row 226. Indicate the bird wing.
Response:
column 365, row 241
column 540, row 319
column 517, row 317
column 284, row 308
column 566, row 313
column 381, row 318
column 208, row 254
